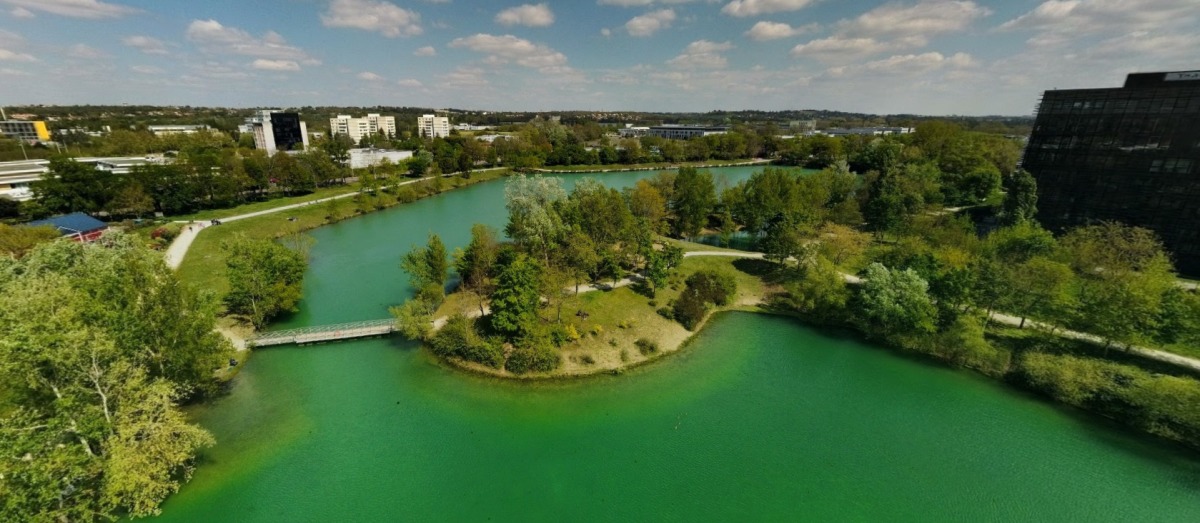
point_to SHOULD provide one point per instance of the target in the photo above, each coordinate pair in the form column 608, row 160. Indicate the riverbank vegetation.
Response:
column 519, row 305
column 101, row 342
column 879, row 252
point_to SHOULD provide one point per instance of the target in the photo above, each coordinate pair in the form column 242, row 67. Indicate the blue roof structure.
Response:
column 74, row 223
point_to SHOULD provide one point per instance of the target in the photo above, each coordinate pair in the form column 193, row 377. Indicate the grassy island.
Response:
column 595, row 281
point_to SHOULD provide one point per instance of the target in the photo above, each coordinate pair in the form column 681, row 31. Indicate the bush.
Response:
column 667, row 313
column 588, row 359
column 646, row 347
column 458, row 338
column 535, row 357
column 717, row 287
column 690, row 308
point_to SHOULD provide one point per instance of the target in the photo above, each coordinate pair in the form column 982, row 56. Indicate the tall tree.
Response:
column 896, row 301
column 533, row 220
column 515, row 300
column 1020, row 200
column 265, row 278
column 692, row 199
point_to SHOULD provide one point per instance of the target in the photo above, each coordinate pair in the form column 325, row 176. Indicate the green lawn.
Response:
column 204, row 265
column 210, row 214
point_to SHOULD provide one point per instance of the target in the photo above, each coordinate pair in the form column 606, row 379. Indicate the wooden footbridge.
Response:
column 340, row 331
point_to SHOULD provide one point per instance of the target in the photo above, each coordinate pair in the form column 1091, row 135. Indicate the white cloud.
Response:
column 425, row 51
column 146, row 69
column 926, row 18
column 508, row 48
column 369, row 76
column 464, row 78
column 21, row 12
column 12, row 56
column 4, row 71
column 275, row 65
column 410, row 83
column 702, row 54
column 213, row 37
column 1104, row 16
column 145, row 44
column 915, row 64
column 893, row 27
column 650, row 23
column 742, row 8
column 837, row 48
column 765, row 30
column 85, row 52
column 606, row 32
column 529, row 15
column 642, row 3
column 72, row 8
column 383, row 17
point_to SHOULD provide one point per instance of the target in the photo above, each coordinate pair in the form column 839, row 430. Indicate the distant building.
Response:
column 471, row 127
column 868, row 131
column 77, row 226
column 490, row 138
column 362, row 158
column 357, row 128
column 15, row 178
column 164, row 130
column 430, row 126
column 278, row 131
column 1129, row 154
column 686, row 132
column 802, row 126
column 629, row 131
column 26, row 130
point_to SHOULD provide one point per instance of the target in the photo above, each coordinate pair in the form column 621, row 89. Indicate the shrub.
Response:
column 588, row 359
column 535, row 357
column 717, row 287
column 458, row 338
column 646, row 347
column 597, row 330
column 690, row 308
column 667, row 313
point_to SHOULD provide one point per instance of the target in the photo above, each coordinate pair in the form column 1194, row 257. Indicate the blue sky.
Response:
column 905, row 56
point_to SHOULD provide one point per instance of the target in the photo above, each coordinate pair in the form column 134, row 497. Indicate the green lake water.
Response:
column 759, row 419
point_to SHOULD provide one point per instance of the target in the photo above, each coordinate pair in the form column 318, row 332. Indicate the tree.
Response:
column 821, row 291
column 891, row 204
column 784, row 240
column 16, row 241
column 515, row 300
column 1020, row 200
column 474, row 264
column 692, row 199
column 419, row 164
column 533, row 220
column 101, row 341
column 895, row 302
column 265, row 278
column 842, row 244
column 1042, row 290
column 427, row 266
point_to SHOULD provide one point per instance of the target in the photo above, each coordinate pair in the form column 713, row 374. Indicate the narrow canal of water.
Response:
column 760, row 418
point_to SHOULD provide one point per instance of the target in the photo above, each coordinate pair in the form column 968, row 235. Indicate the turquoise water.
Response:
column 760, row 418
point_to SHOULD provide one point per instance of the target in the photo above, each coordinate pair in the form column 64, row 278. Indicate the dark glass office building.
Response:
column 288, row 134
column 1128, row 154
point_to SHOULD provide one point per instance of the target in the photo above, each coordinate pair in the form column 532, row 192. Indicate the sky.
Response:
column 936, row 57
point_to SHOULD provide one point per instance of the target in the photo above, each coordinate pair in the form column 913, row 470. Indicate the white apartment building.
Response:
column 357, row 128
column 433, row 126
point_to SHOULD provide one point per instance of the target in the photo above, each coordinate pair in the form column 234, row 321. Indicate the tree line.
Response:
column 100, row 345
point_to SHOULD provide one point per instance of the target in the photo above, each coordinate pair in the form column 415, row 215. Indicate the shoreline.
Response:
column 668, row 167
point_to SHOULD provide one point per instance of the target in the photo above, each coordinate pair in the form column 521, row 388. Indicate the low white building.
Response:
column 362, row 158
column 164, row 130
column 357, row 128
column 430, row 126
column 630, row 131
column 15, row 178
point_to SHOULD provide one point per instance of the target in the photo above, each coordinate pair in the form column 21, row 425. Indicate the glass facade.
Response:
column 1129, row 154
column 286, row 128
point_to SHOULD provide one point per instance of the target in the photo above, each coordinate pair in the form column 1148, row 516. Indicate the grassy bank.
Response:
column 656, row 166
column 204, row 265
